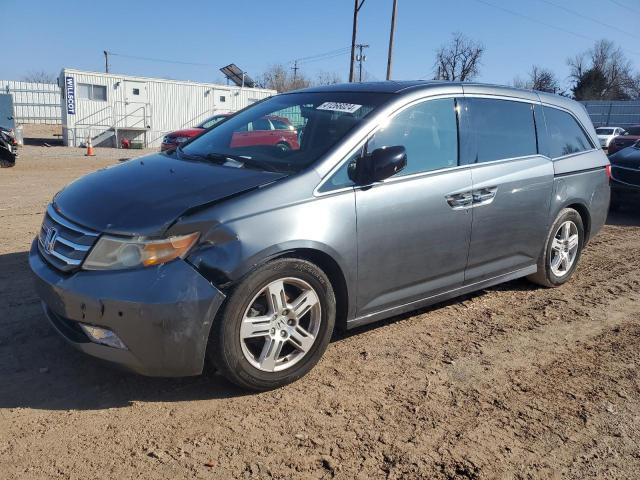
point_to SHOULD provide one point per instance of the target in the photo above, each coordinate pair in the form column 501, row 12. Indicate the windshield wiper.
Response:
column 222, row 158
column 245, row 161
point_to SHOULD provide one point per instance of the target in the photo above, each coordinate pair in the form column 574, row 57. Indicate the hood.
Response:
column 627, row 157
column 626, row 139
column 186, row 132
column 145, row 195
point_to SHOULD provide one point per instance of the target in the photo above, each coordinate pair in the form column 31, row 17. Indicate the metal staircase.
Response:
column 113, row 122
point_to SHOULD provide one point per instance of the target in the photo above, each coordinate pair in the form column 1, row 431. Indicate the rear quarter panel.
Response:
column 582, row 180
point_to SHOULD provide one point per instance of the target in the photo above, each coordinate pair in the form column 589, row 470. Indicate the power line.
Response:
column 161, row 60
column 535, row 20
column 338, row 51
column 326, row 57
column 591, row 19
column 626, row 7
column 531, row 19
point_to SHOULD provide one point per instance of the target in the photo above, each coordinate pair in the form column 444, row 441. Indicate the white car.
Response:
column 606, row 134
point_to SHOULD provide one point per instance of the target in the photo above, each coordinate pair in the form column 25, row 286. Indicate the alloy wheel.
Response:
column 281, row 324
column 564, row 248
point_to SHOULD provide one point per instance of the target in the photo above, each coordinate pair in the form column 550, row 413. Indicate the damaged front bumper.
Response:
column 161, row 314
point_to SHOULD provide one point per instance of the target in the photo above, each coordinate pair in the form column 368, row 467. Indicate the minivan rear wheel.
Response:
column 562, row 250
column 275, row 326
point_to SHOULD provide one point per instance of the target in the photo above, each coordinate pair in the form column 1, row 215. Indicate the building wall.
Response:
column 34, row 102
column 170, row 105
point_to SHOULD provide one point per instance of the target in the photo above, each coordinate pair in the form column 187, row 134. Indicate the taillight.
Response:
column 608, row 170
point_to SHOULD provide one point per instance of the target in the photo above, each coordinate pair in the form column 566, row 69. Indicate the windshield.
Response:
column 604, row 131
column 286, row 132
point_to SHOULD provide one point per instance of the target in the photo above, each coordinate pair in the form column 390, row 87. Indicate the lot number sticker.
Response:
column 339, row 107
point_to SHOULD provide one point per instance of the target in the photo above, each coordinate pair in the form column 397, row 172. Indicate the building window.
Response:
column 223, row 98
column 136, row 91
column 92, row 92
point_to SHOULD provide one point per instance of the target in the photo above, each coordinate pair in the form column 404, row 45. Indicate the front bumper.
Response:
column 163, row 314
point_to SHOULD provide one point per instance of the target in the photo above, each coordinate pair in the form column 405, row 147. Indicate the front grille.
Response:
column 62, row 243
column 626, row 175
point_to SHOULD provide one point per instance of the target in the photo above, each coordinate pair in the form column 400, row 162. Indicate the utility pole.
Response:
column 393, row 30
column 360, row 58
column 106, row 61
column 356, row 8
column 295, row 69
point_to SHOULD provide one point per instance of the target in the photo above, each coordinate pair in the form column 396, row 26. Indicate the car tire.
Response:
column 251, row 328
column 284, row 146
column 553, row 270
column 6, row 164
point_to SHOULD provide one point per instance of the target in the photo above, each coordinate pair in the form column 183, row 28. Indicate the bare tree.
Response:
column 541, row 79
column 327, row 78
column 459, row 60
column 40, row 76
column 603, row 73
column 279, row 78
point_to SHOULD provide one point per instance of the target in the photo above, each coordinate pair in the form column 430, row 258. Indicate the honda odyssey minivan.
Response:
column 400, row 195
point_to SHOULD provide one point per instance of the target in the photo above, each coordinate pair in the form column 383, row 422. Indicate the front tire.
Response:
column 275, row 326
column 562, row 250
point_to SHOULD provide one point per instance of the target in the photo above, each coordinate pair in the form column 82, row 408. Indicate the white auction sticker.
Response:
column 339, row 107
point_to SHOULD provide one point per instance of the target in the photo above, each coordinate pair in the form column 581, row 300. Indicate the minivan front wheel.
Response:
column 562, row 250
column 275, row 326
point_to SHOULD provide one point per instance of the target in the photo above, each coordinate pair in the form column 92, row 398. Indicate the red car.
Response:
column 173, row 139
column 269, row 130
column 631, row 136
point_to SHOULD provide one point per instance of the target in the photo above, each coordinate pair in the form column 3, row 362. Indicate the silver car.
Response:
column 607, row 134
column 247, row 256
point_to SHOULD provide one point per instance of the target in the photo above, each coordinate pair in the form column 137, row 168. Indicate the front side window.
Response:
column 497, row 129
column 427, row 130
column 429, row 133
column 261, row 124
column 565, row 134
column 281, row 124
column 320, row 121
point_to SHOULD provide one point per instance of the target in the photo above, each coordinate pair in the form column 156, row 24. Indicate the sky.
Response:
column 50, row 35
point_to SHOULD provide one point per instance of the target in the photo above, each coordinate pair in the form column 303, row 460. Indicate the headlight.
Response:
column 181, row 139
column 113, row 253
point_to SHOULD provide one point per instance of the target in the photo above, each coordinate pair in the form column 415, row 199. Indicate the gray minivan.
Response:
column 248, row 255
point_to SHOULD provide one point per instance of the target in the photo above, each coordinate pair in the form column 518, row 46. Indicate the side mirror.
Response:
column 378, row 165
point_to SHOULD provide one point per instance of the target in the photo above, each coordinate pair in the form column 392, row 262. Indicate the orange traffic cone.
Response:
column 90, row 152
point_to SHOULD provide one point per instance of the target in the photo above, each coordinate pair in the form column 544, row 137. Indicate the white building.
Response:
column 110, row 107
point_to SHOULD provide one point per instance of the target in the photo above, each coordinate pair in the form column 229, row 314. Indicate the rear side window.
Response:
column 428, row 131
column 565, row 134
column 497, row 130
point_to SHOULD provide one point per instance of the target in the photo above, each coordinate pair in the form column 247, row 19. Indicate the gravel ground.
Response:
column 512, row 382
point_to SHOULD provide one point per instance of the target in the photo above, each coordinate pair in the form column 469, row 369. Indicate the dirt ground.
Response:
column 512, row 382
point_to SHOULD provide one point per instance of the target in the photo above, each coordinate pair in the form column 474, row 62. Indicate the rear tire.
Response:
column 285, row 147
column 275, row 325
column 562, row 250
column 6, row 164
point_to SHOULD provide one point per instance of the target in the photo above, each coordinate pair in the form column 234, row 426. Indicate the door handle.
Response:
column 484, row 196
column 459, row 201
